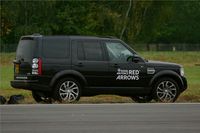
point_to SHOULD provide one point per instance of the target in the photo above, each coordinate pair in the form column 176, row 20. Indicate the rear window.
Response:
column 55, row 47
column 90, row 50
column 93, row 51
column 25, row 49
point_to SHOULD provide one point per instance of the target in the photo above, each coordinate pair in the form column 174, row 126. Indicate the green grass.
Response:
column 6, row 76
column 193, row 92
column 189, row 60
column 183, row 58
column 7, row 58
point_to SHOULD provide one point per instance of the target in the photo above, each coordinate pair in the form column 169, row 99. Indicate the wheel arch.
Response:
column 68, row 73
column 166, row 74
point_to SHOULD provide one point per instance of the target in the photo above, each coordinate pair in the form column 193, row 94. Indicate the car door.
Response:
column 89, row 59
column 123, row 73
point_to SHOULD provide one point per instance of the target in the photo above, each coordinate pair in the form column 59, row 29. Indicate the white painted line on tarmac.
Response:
column 103, row 104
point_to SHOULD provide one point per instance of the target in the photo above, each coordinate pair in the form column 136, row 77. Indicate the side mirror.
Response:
column 134, row 59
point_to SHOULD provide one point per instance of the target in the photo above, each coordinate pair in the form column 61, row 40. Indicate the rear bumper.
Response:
column 28, row 85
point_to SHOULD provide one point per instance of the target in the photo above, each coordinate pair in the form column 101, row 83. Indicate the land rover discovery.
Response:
column 64, row 68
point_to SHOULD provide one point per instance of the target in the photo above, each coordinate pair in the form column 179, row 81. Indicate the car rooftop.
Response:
column 74, row 36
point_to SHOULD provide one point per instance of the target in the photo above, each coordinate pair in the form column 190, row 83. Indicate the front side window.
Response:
column 117, row 52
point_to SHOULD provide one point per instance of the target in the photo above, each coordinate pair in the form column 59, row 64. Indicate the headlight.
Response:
column 182, row 71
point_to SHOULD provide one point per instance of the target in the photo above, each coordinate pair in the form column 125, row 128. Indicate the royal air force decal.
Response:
column 127, row 74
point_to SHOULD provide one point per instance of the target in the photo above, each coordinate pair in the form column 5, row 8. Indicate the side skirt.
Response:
column 122, row 91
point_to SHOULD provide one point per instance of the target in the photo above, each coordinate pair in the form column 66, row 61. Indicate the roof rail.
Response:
column 112, row 37
column 36, row 34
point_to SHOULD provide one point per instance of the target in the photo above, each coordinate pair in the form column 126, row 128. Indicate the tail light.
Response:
column 37, row 66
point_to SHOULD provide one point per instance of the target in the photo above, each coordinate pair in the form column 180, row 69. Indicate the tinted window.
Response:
column 92, row 51
column 80, row 51
column 55, row 47
column 117, row 52
column 25, row 49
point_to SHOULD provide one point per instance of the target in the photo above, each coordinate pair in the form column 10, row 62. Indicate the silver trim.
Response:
column 150, row 70
column 21, row 77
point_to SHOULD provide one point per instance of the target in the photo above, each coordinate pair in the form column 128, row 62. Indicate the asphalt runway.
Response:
column 100, row 118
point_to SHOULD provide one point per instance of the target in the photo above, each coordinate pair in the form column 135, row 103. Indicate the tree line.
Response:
column 136, row 22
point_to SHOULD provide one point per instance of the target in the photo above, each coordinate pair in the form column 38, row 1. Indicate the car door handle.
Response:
column 80, row 64
column 115, row 65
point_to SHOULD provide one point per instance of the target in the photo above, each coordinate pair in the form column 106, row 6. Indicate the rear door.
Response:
column 89, row 59
column 26, row 50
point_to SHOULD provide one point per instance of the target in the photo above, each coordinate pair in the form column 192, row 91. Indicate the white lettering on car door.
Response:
column 127, row 74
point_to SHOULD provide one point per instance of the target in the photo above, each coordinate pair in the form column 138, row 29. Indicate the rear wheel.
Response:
column 142, row 99
column 41, row 97
column 67, row 90
column 166, row 90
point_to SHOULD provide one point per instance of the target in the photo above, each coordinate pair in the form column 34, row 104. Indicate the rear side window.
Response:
column 90, row 50
column 80, row 51
column 55, row 47
column 25, row 49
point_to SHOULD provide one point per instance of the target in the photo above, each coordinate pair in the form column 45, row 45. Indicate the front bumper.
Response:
column 185, row 85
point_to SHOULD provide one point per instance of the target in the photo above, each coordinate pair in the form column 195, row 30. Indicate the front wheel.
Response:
column 166, row 90
column 67, row 90
column 141, row 99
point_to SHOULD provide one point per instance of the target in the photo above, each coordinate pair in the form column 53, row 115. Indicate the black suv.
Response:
column 64, row 68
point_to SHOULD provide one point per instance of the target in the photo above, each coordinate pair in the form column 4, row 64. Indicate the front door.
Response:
column 123, row 73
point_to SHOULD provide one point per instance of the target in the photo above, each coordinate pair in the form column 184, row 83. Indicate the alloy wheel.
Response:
column 166, row 91
column 69, row 91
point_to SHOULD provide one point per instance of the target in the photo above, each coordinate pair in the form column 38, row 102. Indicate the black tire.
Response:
column 141, row 99
column 67, row 90
column 15, row 99
column 166, row 90
column 2, row 100
column 41, row 97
